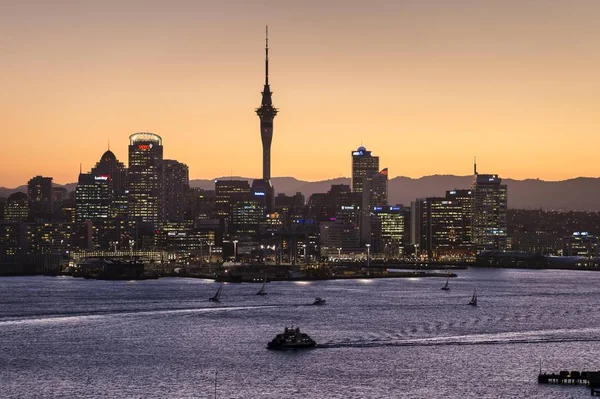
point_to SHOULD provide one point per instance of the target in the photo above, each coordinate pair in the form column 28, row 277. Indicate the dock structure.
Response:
column 589, row 378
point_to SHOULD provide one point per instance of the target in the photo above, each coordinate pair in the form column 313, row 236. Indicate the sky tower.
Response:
column 266, row 113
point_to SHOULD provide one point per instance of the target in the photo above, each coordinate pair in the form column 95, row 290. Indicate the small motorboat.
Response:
column 292, row 338
column 319, row 301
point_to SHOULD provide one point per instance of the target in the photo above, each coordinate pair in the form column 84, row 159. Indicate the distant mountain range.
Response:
column 582, row 193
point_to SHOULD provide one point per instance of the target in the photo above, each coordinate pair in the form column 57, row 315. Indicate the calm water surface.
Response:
column 391, row 338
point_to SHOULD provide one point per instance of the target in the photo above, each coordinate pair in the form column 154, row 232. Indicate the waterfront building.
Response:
column 145, row 157
column 337, row 237
column 464, row 197
column 581, row 243
column 489, row 212
column 437, row 228
column 16, row 208
column 39, row 191
column 389, row 230
column 266, row 112
column 174, row 183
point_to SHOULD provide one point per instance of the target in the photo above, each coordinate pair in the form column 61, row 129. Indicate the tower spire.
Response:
column 266, row 55
column 475, row 165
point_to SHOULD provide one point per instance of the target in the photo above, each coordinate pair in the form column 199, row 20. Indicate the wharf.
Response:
column 590, row 378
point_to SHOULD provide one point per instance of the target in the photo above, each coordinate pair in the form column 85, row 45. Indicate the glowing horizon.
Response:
column 424, row 85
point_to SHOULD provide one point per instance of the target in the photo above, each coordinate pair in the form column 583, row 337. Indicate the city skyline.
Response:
column 425, row 86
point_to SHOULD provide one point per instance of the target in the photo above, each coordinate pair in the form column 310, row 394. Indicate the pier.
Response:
column 590, row 378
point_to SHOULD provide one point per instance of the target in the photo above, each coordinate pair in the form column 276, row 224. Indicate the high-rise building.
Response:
column 145, row 157
column 228, row 191
column 175, row 181
column 465, row 199
column 266, row 112
column 489, row 212
column 16, row 208
column 93, row 198
column 437, row 229
column 363, row 164
column 109, row 165
column 39, row 191
column 388, row 230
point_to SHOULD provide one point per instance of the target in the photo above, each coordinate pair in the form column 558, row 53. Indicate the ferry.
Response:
column 292, row 338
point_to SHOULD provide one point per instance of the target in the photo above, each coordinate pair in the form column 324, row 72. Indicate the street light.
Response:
column 368, row 259
column 131, row 242
column 235, row 249
column 304, row 246
column 210, row 244
column 339, row 254
column 201, row 254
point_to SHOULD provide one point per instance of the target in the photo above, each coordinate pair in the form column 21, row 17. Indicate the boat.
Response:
column 473, row 301
column 319, row 301
column 262, row 291
column 217, row 296
column 446, row 287
column 292, row 338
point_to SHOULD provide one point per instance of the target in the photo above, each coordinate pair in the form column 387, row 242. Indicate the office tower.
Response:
column 465, row 199
column 16, row 208
column 109, row 165
column 388, row 230
column 93, row 198
column 437, row 227
column 489, row 212
column 39, row 191
column 175, row 181
column 266, row 112
column 228, row 191
column 145, row 157
column 374, row 194
column 363, row 164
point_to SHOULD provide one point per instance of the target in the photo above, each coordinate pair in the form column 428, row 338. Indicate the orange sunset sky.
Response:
column 425, row 84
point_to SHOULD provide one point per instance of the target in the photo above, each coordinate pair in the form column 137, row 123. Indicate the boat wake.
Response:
column 91, row 316
column 505, row 338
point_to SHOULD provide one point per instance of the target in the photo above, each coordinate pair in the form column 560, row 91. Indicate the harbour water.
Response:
column 62, row 337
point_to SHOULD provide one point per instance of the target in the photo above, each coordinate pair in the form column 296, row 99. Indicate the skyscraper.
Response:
column 489, row 212
column 145, row 157
column 110, row 166
column 363, row 165
column 93, row 197
column 175, row 181
column 39, row 190
column 266, row 112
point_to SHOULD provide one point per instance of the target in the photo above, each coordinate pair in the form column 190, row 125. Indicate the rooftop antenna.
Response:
column 266, row 55
column 108, row 144
column 80, row 168
column 475, row 165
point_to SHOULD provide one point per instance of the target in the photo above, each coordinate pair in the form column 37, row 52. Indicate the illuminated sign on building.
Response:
column 102, row 177
column 145, row 147
column 260, row 193
column 359, row 153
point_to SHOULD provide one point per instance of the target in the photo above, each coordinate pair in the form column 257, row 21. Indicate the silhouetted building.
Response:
column 175, row 181
column 110, row 166
column 39, row 191
column 437, row 227
column 145, row 157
